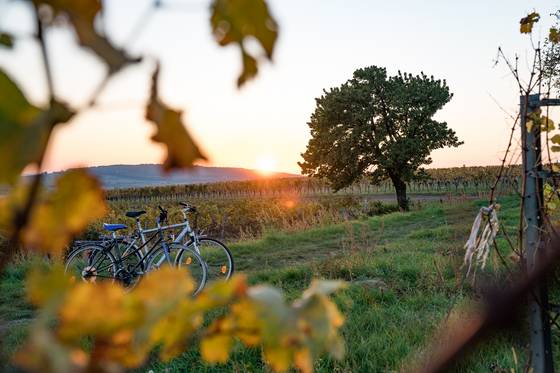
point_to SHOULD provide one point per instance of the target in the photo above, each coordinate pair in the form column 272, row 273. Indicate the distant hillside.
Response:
column 135, row 176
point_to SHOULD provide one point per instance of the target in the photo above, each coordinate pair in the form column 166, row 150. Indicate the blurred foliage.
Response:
column 124, row 327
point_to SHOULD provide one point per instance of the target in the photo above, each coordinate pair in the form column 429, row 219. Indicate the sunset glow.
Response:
column 266, row 165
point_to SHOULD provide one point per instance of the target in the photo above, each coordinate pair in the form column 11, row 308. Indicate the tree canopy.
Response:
column 377, row 126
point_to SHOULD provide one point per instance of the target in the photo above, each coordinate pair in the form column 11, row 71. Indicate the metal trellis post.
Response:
column 541, row 346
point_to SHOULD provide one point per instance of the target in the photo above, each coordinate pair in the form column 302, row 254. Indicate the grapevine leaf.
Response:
column 248, row 322
column 526, row 23
column 182, row 151
column 6, row 40
column 23, row 129
column 76, row 201
column 216, row 348
column 234, row 21
column 547, row 124
column 278, row 358
column 303, row 360
column 81, row 15
column 45, row 286
column 86, row 310
column 555, row 139
column 250, row 68
column 554, row 35
column 22, row 137
column 166, row 284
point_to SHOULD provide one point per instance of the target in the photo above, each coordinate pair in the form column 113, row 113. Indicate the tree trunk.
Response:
column 400, row 189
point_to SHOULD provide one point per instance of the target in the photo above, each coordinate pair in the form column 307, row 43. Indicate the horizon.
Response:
column 27, row 173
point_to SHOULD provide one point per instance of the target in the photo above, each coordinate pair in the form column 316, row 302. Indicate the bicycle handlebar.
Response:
column 187, row 207
column 162, row 215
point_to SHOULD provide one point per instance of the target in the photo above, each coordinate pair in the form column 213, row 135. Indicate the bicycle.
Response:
column 216, row 255
column 106, row 260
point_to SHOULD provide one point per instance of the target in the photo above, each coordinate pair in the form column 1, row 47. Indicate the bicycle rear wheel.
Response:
column 91, row 263
column 218, row 258
column 192, row 261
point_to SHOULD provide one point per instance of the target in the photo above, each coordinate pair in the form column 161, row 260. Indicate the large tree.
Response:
column 379, row 127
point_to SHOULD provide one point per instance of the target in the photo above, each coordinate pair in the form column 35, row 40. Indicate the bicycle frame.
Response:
column 143, row 249
column 144, row 256
column 187, row 230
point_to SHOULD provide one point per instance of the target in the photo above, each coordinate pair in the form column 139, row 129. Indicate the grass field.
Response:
column 403, row 270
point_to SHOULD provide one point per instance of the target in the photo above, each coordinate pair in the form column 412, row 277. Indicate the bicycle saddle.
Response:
column 135, row 214
column 113, row 227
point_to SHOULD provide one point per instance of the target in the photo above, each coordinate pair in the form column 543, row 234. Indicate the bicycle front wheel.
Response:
column 218, row 258
column 191, row 261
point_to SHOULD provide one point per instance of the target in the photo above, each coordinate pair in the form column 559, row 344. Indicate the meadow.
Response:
column 403, row 269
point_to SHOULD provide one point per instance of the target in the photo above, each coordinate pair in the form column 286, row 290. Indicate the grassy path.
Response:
column 412, row 259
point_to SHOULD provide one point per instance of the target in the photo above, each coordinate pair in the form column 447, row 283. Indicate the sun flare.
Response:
column 266, row 165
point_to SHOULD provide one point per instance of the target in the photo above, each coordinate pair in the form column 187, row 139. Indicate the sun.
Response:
column 265, row 164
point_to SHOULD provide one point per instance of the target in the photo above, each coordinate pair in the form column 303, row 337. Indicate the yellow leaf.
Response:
column 100, row 309
column 220, row 293
column 529, row 125
column 279, row 358
column 174, row 328
column 233, row 21
column 554, row 35
column 555, row 168
column 47, row 285
column 303, row 360
column 526, row 23
column 216, row 348
column 76, row 202
column 547, row 124
column 81, row 15
column 248, row 324
column 167, row 284
column 182, row 151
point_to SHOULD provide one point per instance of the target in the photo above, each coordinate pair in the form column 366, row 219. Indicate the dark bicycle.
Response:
column 120, row 259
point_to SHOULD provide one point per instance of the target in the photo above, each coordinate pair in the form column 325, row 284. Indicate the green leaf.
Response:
column 554, row 35
column 555, row 148
column 526, row 23
column 22, row 136
column 555, row 139
column 233, row 21
column 182, row 151
column 6, row 40
column 547, row 124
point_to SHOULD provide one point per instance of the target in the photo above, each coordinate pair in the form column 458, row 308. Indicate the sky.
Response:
column 321, row 43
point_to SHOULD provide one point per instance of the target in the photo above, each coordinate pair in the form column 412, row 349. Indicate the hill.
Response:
column 143, row 175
